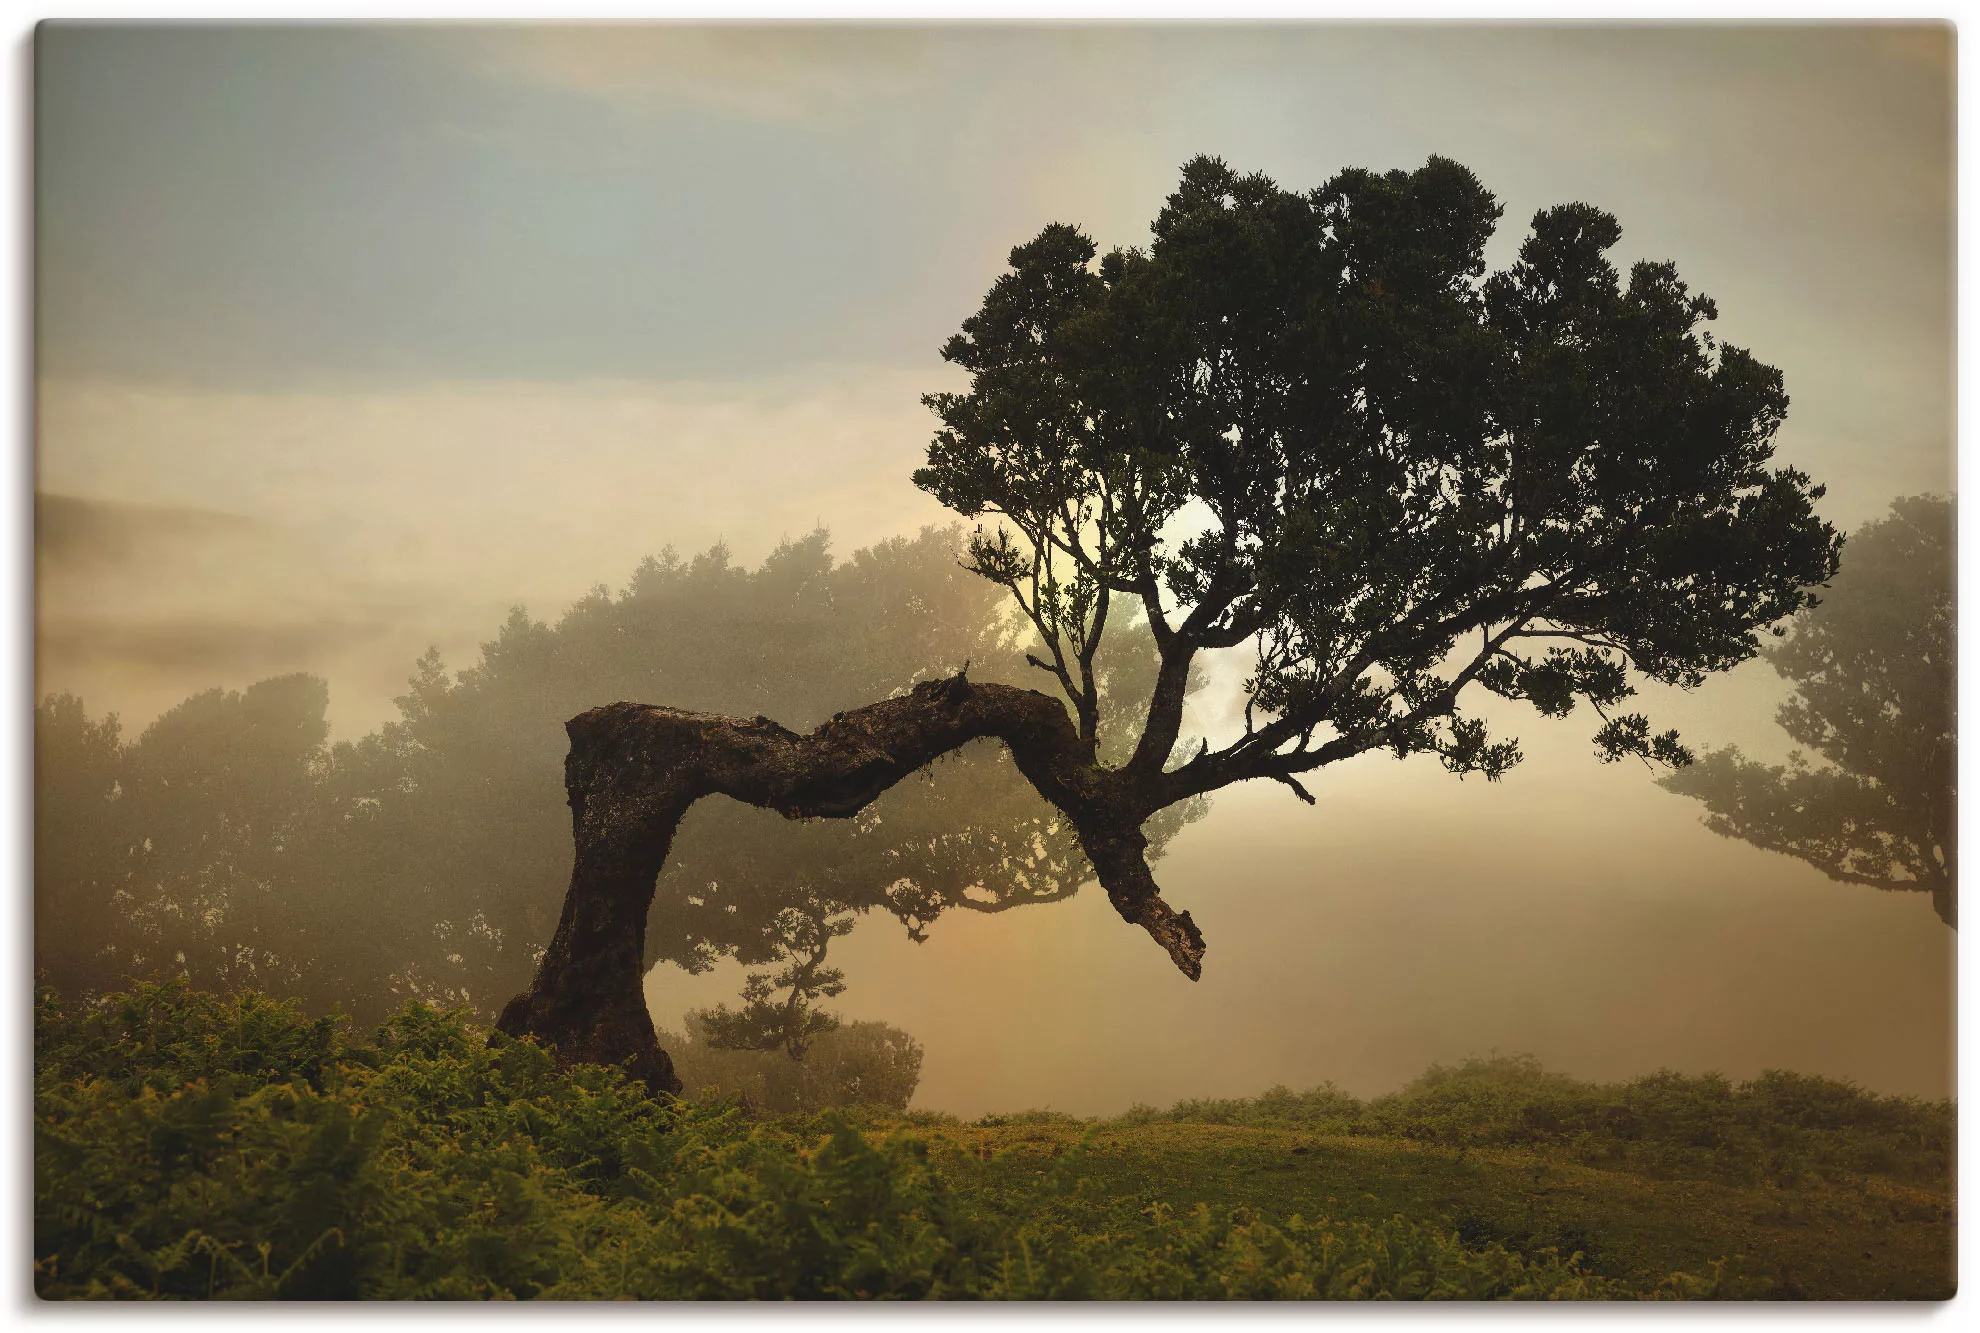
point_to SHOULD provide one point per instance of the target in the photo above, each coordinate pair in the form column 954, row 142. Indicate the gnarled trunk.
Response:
column 634, row 770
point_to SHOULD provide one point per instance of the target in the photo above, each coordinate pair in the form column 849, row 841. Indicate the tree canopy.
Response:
column 1873, row 671
column 1308, row 425
column 1313, row 423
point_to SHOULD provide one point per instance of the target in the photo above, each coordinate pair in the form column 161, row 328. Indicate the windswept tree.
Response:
column 456, row 843
column 1307, row 425
column 231, row 844
column 1873, row 674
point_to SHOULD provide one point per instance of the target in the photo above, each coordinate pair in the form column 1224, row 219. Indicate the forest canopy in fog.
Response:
column 230, row 843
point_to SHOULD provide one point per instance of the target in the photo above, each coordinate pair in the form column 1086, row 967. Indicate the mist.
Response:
column 657, row 309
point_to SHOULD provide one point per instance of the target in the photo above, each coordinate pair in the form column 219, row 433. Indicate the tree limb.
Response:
column 633, row 772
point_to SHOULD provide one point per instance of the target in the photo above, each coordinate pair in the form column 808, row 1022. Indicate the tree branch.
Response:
column 1297, row 789
column 633, row 772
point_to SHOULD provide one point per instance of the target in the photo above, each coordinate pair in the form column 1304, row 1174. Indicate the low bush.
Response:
column 1780, row 1128
column 195, row 1146
column 862, row 1064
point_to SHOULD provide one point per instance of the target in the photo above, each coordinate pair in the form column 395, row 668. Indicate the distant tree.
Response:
column 854, row 1064
column 1873, row 669
column 84, row 935
column 219, row 790
column 1309, row 424
column 182, row 852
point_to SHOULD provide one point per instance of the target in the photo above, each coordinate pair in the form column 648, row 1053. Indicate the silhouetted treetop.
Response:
column 1313, row 421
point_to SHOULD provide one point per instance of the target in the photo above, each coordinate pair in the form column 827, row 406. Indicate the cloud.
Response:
column 233, row 534
column 217, row 646
column 770, row 72
column 73, row 532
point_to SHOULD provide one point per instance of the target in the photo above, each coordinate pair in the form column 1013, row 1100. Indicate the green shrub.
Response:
column 863, row 1064
column 1039, row 1116
column 1780, row 1128
column 195, row 1146
column 1325, row 1109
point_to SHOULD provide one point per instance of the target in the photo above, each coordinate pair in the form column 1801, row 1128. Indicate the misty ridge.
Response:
column 141, row 597
column 71, row 532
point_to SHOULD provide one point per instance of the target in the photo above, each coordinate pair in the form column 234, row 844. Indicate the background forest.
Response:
column 230, row 844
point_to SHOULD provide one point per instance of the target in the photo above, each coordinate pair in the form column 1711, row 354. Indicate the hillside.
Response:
column 195, row 1146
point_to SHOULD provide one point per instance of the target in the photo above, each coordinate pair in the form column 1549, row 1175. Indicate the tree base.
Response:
column 604, row 1031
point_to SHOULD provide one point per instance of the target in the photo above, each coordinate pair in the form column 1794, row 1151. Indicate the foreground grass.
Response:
column 1804, row 1187
column 1862, row 1239
column 195, row 1146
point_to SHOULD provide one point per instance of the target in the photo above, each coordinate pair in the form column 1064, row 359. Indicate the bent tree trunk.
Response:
column 634, row 770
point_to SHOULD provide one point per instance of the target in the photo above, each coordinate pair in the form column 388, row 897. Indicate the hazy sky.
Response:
column 350, row 338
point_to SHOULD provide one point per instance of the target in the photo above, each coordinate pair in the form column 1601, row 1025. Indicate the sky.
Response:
column 350, row 338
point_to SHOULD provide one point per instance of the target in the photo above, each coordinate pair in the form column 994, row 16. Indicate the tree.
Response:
column 1872, row 668
column 180, row 851
column 80, row 933
column 456, row 836
column 231, row 844
column 855, row 1064
column 1306, row 423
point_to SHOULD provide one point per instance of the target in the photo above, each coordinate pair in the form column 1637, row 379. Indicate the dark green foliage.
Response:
column 425, row 1164
column 1873, row 669
column 163, row 1036
column 1396, row 475
column 189, row 1146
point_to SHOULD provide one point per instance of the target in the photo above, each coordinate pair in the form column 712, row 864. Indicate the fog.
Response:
column 234, row 536
column 349, row 351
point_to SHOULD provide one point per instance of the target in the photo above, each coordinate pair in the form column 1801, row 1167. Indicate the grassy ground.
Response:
column 1865, row 1238
column 194, row 1146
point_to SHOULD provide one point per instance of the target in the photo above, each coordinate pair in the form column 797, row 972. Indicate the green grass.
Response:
column 1866, row 1238
column 193, row 1146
